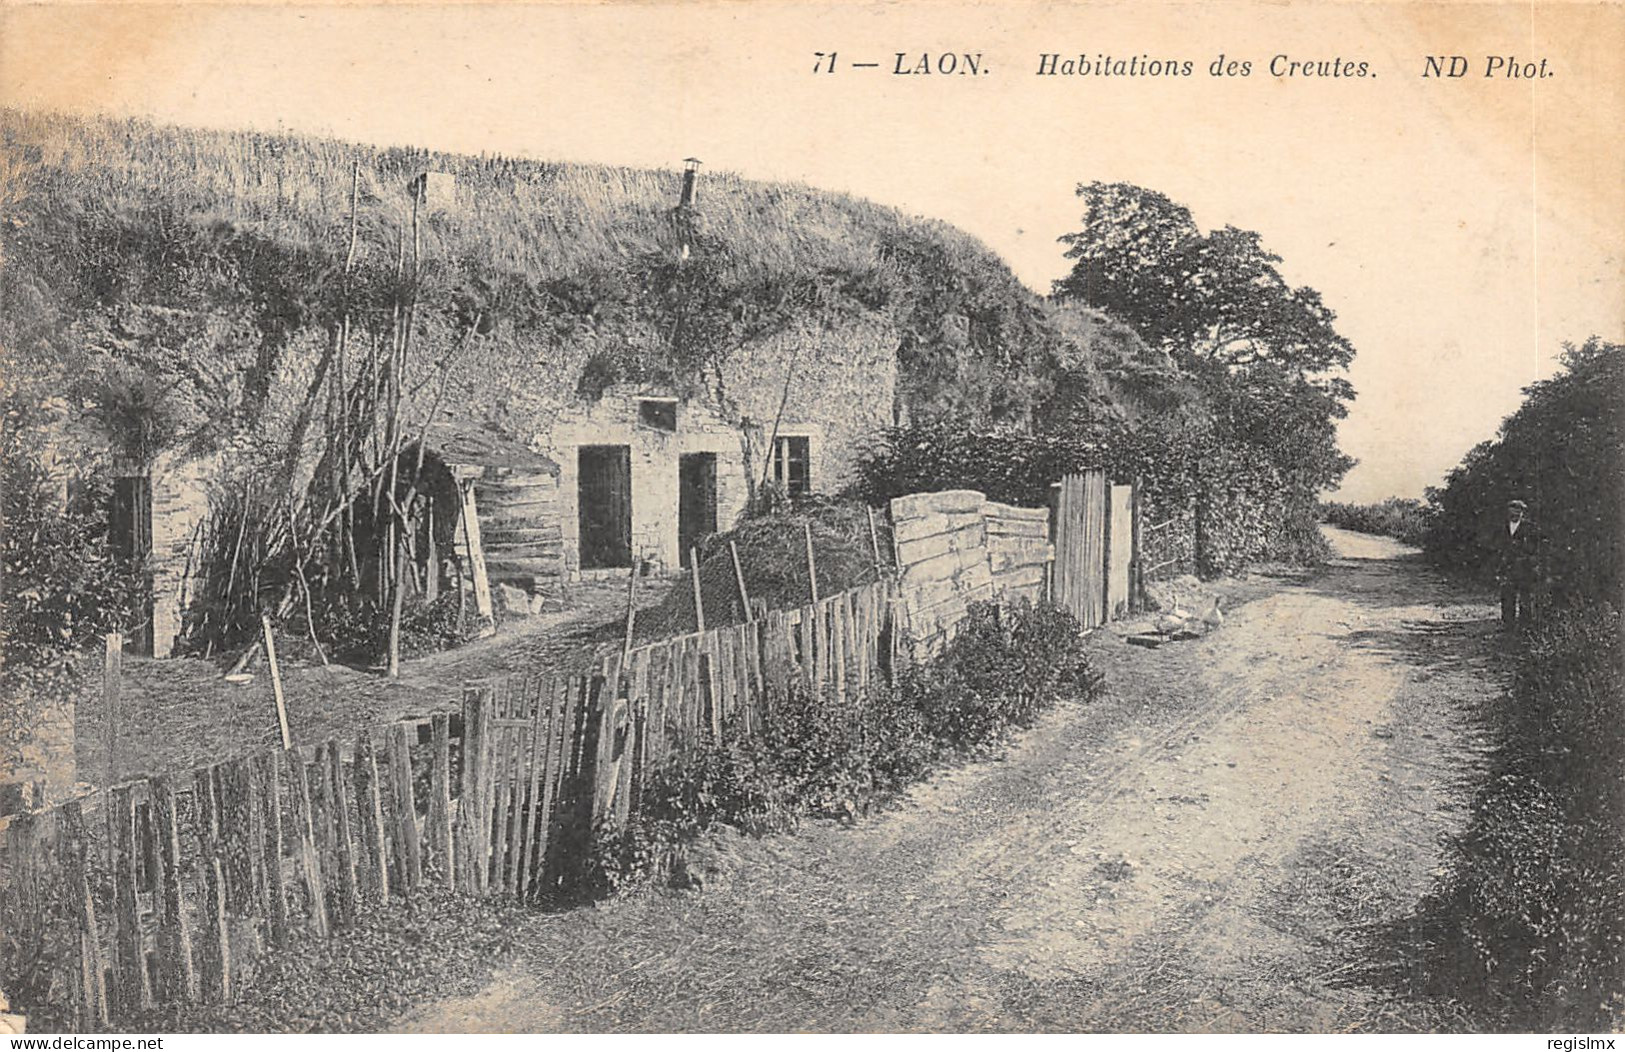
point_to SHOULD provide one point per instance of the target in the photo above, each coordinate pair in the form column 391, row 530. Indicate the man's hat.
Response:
column 1518, row 504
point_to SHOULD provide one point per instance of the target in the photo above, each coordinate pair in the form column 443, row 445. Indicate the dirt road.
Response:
column 1190, row 852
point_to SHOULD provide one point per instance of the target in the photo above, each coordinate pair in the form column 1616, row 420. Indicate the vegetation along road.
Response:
column 1199, row 849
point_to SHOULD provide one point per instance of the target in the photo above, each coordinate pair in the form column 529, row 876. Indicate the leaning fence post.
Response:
column 699, row 603
column 276, row 681
column 874, row 542
column 438, row 827
column 739, row 578
column 215, row 966
column 812, row 565
column 112, row 670
column 175, row 930
column 92, row 982
column 133, row 990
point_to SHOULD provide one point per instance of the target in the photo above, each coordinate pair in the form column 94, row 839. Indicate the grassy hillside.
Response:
column 215, row 262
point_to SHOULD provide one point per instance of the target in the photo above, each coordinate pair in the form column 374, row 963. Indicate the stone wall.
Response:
column 180, row 512
column 613, row 420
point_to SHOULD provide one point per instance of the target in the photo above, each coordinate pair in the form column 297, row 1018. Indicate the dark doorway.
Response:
column 696, row 501
column 605, row 506
column 129, row 528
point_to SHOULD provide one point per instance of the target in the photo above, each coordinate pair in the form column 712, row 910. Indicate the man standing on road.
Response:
column 1515, row 568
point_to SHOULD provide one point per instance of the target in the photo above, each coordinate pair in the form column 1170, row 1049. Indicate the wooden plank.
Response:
column 254, row 812
column 408, row 847
column 129, row 958
column 677, row 689
column 112, row 680
column 917, row 550
column 92, row 1008
column 552, row 780
column 945, row 501
column 147, row 855
column 468, row 515
column 214, row 962
column 541, row 723
column 372, row 860
column 302, row 828
column 474, row 807
column 838, row 632
column 275, row 903
column 753, row 665
column 607, row 712
column 633, row 798
column 439, row 834
column 508, row 823
column 723, row 676
column 233, row 802
column 336, row 785
column 662, row 670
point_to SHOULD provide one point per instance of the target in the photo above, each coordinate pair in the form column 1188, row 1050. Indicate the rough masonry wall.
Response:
column 613, row 421
column 843, row 382
column 180, row 511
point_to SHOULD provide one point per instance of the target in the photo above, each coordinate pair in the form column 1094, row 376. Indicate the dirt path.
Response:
column 1187, row 853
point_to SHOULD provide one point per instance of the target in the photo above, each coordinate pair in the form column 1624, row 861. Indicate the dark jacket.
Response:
column 1517, row 554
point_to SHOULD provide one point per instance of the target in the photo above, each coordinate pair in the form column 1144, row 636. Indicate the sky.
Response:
column 1461, row 228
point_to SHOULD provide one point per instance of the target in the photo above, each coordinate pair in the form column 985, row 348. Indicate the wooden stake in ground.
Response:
column 699, row 603
column 874, row 542
column 812, row 565
column 112, row 673
column 739, row 578
column 631, row 609
column 276, row 681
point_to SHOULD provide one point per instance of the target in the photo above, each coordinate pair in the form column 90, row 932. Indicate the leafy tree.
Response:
column 1563, row 452
column 1202, row 297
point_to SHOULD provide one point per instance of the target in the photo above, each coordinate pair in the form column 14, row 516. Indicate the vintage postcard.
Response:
column 819, row 517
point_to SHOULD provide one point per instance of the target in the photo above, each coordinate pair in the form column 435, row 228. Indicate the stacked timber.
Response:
column 519, row 524
column 1018, row 549
column 942, row 555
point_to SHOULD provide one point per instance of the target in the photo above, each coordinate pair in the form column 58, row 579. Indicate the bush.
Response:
column 1008, row 465
column 62, row 588
column 1401, row 518
column 359, row 632
column 819, row 759
column 1528, row 931
column 772, row 547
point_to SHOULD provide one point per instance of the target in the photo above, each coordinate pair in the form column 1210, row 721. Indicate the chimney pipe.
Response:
column 691, row 174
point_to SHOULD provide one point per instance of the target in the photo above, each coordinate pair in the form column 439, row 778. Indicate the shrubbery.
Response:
column 820, row 759
column 360, row 633
column 62, row 588
column 1563, row 452
column 1401, row 518
column 1528, row 930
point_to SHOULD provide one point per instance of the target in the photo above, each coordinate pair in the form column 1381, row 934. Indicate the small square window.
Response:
column 658, row 413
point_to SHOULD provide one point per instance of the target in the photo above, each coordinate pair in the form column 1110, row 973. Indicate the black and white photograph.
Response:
column 825, row 517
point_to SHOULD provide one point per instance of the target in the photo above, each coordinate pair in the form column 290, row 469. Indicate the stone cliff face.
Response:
column 668, row 361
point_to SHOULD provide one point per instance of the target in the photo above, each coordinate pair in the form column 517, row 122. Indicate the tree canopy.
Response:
column 1215, row 297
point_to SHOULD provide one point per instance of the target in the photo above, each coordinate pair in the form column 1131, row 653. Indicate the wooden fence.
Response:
column 1098, row 549
column 165, row 889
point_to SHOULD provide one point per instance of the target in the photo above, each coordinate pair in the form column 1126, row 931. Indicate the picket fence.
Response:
column 165, row 889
